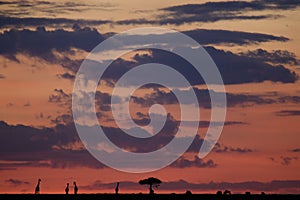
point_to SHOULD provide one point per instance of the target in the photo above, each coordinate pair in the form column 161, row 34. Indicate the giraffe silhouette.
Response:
column 75, row 187
column 37, row 188
column 67, row 189
column 117, row 188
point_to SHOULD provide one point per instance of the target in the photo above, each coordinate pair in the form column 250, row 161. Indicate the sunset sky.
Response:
column 255, row 45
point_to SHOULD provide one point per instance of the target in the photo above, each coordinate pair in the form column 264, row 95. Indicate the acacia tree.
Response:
column 151, row 182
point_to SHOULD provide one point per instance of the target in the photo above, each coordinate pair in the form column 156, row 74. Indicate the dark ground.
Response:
column 145, row 197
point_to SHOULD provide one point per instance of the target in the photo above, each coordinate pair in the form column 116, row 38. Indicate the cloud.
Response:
column 2, row 76
column 196, row 162
column 50, row 8
column 284, row 160
column 180, row 14
column 289, row 99
column 240, row 69
column 275, row 56
column 41, row 43
column 223, row 10
column 59, row 96
column 16, row 182
column 284, row 113
column 233, row 186
column 10, row 22
column 164, row 98
column 295, row 150
column 182, row 185
column 67, row 76
column 60, row 146
column 226, row 149
column 57, row 147
column 29, row 41
column 27, row 104
column 209, row 37
column 9, row 104
column 247, row 100
column 235, row 69
column 159, row 96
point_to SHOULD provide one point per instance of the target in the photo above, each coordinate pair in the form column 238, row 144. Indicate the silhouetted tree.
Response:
column 226, row 192
column 188, row 192
column 151, row 182
column 37, row 188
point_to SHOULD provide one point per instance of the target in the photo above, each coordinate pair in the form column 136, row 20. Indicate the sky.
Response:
column 254, row 44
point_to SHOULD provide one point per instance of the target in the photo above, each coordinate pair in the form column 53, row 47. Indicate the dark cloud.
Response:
column 27, row 104
column 247, row 100
column 162, row 97
column 30, row 139
column 67, row 76
column 50, row 8
column 99, row 185
column 235, row 69
column 223, row 10
column 6, row 3
column 143, row 145
column 158, row 96
column 277, row 56
column 9, row 104
column 58, row 147
column 41, row 43
column 240, row 69
column 208, row 37
column 288, row 113
column 7, row 21
column 187, row 13
column 196, row 162
column 289, row 99
column 226, row 149
column 295, row 150
column 286, row 160
column 144, row 119
column 16, row 182
column 182, row 185
column 60, row 98
column 63, row 119
column 2, row 76
column 237, row 186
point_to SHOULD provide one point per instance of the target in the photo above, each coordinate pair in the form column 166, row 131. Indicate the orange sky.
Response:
column 25, row 91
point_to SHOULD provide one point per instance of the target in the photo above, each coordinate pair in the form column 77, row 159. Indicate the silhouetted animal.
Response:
column 75, row 188
column 67, row 189
column 117, row 188
column 37, row 188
